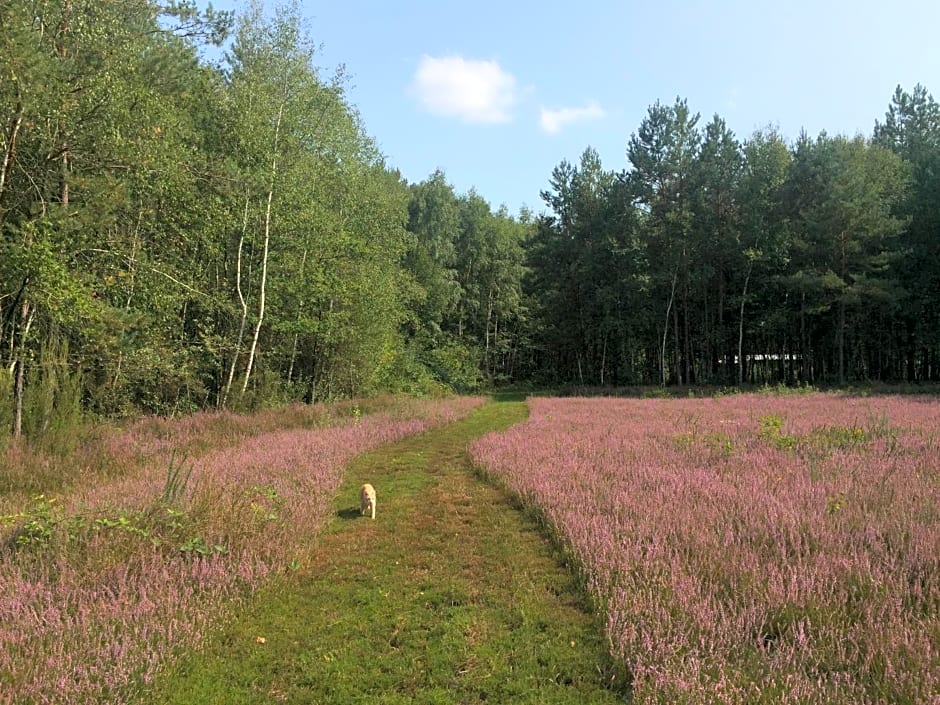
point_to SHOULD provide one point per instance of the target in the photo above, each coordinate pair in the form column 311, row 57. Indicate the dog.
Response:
column 367, row 499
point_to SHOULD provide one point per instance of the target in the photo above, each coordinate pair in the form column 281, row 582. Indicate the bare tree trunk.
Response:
column 26, row 314
column 500, row 359
column 130, row 294
column 300, row 307
column 486, row 348
column 676, row 344
column 687, row 331
column 62, row 51
column 843, row 241
column 64, row 193
column 241, row 300
column 841, row 339
column 662, row 355
column 9, row 151
column 264, row 256
column 747, row 279
column 13, row 308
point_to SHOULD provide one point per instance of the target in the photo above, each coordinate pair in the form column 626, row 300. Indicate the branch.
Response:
column 135, row 261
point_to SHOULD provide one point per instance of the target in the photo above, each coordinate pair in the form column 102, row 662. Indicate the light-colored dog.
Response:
column 367, row 499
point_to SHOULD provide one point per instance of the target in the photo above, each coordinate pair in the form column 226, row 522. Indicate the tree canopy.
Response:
column 178, row 234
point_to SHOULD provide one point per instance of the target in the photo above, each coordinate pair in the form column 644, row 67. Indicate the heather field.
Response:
column 451, row 595
column 130, row 558
column 747, row 549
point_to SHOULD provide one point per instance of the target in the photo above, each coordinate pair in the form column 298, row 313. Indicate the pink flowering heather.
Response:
column 122, row 582
column 748, row 549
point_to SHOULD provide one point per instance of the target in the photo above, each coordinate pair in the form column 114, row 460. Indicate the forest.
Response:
column 179, row 233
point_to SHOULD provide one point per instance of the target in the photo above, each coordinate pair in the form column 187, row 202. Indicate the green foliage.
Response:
column 45, row 526
column 456, row 366
column 717, row 443
column 52, row 403
column 410, row 374
column 177, row 235
column 466, row 262
column 6, row 409
column 771, row 431
column 837, row 437
column 759, row 262
column 835, row 503
column 36, row 526
column 197, row 546
column 265, row 503
column 779, row 389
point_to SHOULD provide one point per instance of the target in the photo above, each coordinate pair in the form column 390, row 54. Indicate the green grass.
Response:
column 449, row 596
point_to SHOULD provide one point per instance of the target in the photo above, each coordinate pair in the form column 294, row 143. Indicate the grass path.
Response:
column 450, row 596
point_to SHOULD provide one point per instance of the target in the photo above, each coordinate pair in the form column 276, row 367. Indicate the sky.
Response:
column 498, row 93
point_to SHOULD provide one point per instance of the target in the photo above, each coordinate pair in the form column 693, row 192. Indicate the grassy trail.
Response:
column 449, row 596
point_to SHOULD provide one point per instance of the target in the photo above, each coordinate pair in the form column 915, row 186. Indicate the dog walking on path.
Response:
column 367, row 499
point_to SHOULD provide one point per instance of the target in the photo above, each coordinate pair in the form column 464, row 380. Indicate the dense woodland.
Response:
column 179, row 232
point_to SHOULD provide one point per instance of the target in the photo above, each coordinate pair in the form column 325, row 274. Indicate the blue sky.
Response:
column 498, row 93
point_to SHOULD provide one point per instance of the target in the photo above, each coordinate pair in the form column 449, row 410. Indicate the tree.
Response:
column 662, row 153
column 760, row 243
column 433, row 219
column 911, row 130
column 489, row 274
column 78, row 166
column 571, row 275
column 316, row 221
column 844, row 231
column 717, row 232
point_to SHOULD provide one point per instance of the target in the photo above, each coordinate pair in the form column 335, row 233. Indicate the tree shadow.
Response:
column 349, row 513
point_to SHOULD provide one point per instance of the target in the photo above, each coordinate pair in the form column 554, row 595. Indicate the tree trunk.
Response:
column 722, row 339
column 677, row 344
column 62, row 51
column 300, row 307
column 26, row 315
column 130, row 294
column 747, row 280
column 500, row 360
column 241, row 300
column 266, row 249
column 486, row 335
column 662, row 356
column 910, row 352
column 687, row 331
column 9, row 151
column 840, row 333
column 804, row 347
column 64, row 175
column 13, row 308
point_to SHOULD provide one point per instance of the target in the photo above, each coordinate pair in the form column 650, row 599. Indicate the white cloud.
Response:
column 472, row 90
column 552, row 121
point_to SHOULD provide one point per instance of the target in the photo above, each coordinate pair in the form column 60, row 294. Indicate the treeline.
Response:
column 178, row 233
column 719, row 261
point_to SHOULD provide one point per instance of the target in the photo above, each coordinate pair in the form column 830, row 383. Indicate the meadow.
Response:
column 747, row 549
column 121, row 551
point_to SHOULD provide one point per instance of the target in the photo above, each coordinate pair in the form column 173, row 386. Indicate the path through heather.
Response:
column 450, row 596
